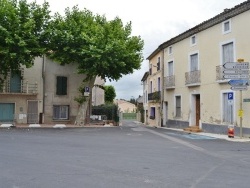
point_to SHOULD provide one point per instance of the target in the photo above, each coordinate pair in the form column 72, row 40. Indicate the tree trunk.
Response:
column 82, row 111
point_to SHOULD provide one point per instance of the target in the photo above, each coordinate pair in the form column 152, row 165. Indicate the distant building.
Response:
column 125, row 106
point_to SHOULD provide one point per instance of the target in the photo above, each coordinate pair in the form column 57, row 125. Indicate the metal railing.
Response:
column 193, row 77
column 219, row 73
column 24, row 87
column 156, row 96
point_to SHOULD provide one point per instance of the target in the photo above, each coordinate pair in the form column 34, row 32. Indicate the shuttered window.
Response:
column 177, row 106
column 61, row 85
column 228, row 52
column 227, row 109
column 194, row 62
column 60, row 112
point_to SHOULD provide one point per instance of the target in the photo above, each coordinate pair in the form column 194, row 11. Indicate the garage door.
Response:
column 7, row 112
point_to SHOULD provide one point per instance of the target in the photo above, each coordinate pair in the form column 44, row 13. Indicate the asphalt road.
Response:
column 120, row 157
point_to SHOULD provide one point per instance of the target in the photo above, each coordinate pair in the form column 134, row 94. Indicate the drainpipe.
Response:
column 43, row 77
column 162, row 88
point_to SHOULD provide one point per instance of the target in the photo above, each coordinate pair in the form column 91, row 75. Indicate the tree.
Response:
column 22, row 34
column 99, row 47
column 109, row 93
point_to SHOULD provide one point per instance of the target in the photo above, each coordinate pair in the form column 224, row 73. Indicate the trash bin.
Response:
column 230, row 131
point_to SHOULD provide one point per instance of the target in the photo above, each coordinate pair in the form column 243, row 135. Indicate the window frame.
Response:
column 60, row 107
column 190, row 62
column 170, row 50
column 178, row 112
column 152, row 112
column 223, row 101
column 222, row 52
column 193, row 42
column 224, row 26
column 168, row 68
column 61, row 90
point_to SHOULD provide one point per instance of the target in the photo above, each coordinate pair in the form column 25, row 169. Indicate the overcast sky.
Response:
column 156, row 21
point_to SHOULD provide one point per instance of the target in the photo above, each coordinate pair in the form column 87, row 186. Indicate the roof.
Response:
column 225, row 15
column 145, row 76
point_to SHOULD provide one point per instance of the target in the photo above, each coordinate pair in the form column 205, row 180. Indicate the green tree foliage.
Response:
column 98, row 46
column 22, row 34
column 109, row 93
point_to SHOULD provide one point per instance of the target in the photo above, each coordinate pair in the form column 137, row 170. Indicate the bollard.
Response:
column 230, row 131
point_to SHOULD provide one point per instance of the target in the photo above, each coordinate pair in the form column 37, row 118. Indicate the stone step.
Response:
column 192, row 129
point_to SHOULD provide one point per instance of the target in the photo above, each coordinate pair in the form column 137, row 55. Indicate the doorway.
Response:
column 32, row 115
column 197, row 110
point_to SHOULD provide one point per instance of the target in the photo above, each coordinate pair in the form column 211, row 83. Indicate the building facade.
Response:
column 195, row 91
column 44, row 93
column 153, row 93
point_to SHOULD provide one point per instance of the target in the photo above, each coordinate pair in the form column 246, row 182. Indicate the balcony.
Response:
column 219, row 75
column 169, row 82
column 193, row 78
column 24, row 88
column 155, row 96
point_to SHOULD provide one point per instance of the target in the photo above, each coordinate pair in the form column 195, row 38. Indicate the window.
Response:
column 159, row 64
column 61, row 85
column 170, row 50
column 159, row 84
column 152, row 113
column 150, row 69
column 226, row 27
column 227, row 109
column 228, row 52
column 194, row 62
column 193, row 40
column 60, row 112
column 151, row 86
column 170, row 68
column 177, row 106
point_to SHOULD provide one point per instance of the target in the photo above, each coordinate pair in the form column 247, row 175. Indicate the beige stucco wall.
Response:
column 52, row 70
column 32, row 75
column 209, row 49
column 154, row 79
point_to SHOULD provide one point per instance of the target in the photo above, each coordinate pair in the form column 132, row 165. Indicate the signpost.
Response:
column 239, row 72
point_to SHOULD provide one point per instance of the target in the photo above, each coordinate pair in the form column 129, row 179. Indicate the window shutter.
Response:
column 61, row 85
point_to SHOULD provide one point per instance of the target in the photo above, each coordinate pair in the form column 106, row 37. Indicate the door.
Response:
column 15, row 83
column 32, row 115
column 197, row 102
column 7, row 111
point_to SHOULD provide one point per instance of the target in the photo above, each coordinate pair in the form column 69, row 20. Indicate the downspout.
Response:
column 162, row 89
column 43, row 77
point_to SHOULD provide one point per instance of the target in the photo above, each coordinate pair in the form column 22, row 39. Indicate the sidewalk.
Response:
column 219, row 136
column 9, row 125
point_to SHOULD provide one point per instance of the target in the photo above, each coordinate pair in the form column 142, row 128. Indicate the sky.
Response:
column 156, row 21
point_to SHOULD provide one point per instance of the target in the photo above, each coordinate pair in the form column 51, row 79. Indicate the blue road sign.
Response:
column 86, row 89
column 230, row 96
column 239, row 82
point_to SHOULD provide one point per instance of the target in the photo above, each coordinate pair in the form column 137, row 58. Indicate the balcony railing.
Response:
column 169, row 82
column 155, row 96
column 193, row 78
column 24, row 87
column 219, row 74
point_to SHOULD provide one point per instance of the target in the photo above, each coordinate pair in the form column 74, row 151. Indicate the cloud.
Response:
column 155, row 21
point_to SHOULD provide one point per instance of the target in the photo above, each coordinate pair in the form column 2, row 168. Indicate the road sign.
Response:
column 236, row 65
column 232, row 71
column 239, row 88
column 235, row 76
column 239, row 82
column 230, row 96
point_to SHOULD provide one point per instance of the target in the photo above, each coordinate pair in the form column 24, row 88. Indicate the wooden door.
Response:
column 197, row 109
